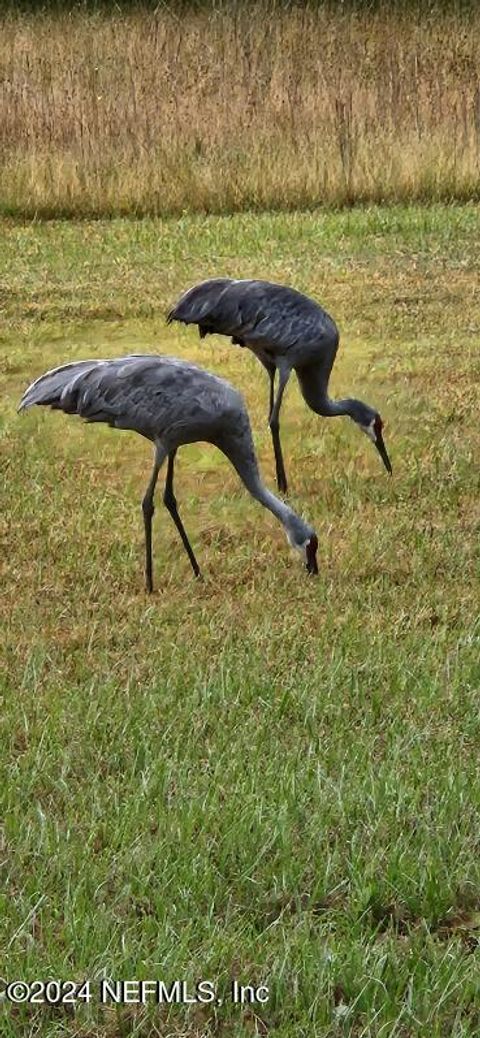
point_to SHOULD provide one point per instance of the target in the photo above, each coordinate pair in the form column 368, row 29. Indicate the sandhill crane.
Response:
column 285, row 330
column 171, row 403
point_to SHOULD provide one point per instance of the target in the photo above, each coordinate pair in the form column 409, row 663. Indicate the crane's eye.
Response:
column 371, row 430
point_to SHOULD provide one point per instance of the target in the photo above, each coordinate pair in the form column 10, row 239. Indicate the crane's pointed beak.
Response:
column 382, row 450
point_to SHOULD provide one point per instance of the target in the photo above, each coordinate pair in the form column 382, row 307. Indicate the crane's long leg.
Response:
column 271, row 371
column 284, row 375
column 170, row 502
column 148, row 509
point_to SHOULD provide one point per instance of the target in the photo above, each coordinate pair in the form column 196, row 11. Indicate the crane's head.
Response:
column 303, row 538
column 371, row 424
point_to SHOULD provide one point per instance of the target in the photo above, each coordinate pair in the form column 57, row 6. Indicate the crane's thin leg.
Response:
column 271, row 374
column 170, row 502
column 275, row 431
column 271, row 371
column 148, row 509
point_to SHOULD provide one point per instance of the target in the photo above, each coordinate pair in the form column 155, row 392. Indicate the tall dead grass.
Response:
column 267, row 107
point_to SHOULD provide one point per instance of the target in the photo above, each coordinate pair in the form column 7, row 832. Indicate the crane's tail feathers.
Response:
column 198, row 305
column 54, row 388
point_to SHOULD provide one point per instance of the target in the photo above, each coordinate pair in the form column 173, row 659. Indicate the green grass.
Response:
column 261, row 776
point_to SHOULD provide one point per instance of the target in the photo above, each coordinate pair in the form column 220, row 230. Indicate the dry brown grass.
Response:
column 273, row 108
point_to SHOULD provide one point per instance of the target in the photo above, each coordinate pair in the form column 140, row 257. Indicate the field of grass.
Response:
column 262, row 776
column 233, row 106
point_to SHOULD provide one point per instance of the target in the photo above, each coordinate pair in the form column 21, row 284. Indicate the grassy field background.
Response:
column 261, row 776
column 229, row 107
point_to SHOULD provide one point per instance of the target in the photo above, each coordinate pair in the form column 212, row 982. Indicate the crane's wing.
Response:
column 256, row 313
column 152, row 395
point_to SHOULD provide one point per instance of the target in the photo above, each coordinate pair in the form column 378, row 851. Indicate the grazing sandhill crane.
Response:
column 285, row 330
column 171, row 403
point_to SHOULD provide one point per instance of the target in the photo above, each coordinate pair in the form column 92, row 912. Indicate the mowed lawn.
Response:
column 262, row 776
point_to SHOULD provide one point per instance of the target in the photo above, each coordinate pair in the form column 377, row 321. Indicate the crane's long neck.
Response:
column 245, row 463
column 250, row 476
column 314, row 388
column 274, row 504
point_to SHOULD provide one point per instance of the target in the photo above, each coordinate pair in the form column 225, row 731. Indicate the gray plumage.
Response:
column 170, row 403
column 285, row 330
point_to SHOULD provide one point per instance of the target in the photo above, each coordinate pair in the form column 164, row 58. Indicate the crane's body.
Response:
column 171, row 403
column 286, row 330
